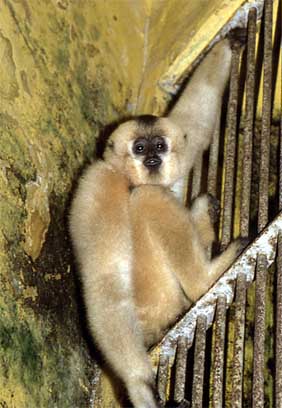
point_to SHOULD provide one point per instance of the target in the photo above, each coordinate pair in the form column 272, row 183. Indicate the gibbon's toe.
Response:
column 213, row 208
column 238, row 37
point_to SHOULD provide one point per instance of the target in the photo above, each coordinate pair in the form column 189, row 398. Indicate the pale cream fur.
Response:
column 141, row 253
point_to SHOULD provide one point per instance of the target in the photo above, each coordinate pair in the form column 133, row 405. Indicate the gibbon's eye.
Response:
column 160, row 144
column 140, row 146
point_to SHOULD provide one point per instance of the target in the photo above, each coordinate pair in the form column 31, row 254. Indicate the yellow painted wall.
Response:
column 68, row 67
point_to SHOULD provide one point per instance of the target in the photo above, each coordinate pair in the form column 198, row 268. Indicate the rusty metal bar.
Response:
column 213, row 160
column 238, row 351
column 249, row 126
column 266, row 117
column 197, row 177
column 199, row 362
column 219, row 346
column 213, row 168
column 163, row 372
column 180, row 369
column 280, row 169
column 278, row 344
column 259, row 337
column 230, row 150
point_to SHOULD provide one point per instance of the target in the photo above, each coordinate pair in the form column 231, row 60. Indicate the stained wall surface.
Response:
column 68, row 68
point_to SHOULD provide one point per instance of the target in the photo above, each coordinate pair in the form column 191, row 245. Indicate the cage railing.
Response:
column 204, row 361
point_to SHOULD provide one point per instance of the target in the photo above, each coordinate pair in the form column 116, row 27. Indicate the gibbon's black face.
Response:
column 149, row 149
column 150, row 145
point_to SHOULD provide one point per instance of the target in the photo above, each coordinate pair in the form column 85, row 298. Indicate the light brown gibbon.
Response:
column 141, row 253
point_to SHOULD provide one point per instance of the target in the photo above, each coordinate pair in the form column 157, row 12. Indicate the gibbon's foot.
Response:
column 160, row 403
column 239, row 243
column 242, row 243
column 183, row 404
column 238, row 37
column 213, row 208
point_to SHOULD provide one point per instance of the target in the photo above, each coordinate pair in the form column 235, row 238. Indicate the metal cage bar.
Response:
column 238, row 351
column 180, row 369
column 219, row 347
column 278, row 345
column 266, row 117
column 198, row 375
column 259, row 337
column 163, row 373
column 249, row 126
column 230, row 150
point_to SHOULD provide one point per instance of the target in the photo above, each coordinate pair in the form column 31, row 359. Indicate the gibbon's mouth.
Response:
column 152, row 163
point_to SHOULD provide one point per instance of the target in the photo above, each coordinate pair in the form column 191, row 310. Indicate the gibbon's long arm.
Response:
column 199, row 105
column 100, row 231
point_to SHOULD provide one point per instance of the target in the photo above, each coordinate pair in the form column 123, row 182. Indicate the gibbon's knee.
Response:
column 205, row 211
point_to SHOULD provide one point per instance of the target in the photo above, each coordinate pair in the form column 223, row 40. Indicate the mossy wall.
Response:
column 52, row 106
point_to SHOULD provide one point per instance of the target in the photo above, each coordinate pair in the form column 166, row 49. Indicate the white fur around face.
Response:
column 171, row 169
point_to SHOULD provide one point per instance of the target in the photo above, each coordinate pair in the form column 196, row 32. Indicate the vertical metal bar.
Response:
column 199, row 363
column 213, row 160
column 280, row 170
column 259, row 337
column 163, row 376
column 180, row 369
column 238, row 351
column 249, row 125
column 266, row 117
column 230, row 150
column 278, row 342
column 213, row 168
column 218, row 363
column 197, row 177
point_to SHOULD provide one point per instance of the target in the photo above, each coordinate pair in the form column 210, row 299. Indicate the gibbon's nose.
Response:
column 152, row 163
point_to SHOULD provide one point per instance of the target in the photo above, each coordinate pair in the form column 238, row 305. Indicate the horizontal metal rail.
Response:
column 259, row 256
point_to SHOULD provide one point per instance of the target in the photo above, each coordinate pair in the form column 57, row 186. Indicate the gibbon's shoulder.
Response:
column 99, row 179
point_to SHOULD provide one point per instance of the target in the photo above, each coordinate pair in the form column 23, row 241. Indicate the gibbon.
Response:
column 141, row 253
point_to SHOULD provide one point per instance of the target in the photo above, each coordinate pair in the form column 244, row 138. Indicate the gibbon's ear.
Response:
column 111, row 144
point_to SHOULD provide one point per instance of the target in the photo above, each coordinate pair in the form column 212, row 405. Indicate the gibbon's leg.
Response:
column 205, row 212
column 100, row 231
column 171, row 230
column 215, row 268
